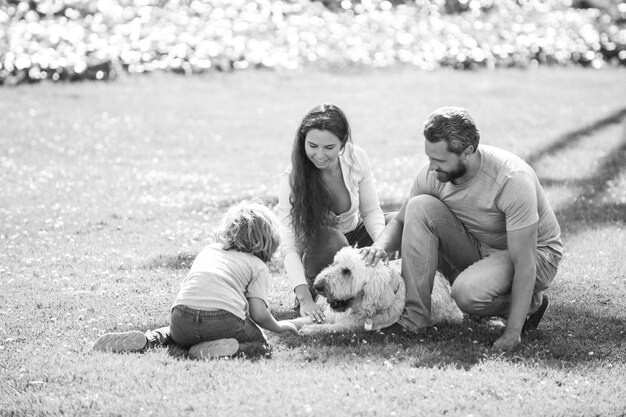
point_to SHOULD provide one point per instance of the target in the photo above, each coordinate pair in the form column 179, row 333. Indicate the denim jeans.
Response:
column 190, row 326
column 321, row 252
column 434, row 239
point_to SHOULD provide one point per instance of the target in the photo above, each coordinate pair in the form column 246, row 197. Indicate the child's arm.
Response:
column 261, row 315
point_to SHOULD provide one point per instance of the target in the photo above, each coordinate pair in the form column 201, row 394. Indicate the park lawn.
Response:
column 110, row 189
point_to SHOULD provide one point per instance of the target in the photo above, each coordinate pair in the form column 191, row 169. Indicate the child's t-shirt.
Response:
column 224, row 279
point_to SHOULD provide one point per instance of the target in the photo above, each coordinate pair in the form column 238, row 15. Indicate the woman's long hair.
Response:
column 309, row 198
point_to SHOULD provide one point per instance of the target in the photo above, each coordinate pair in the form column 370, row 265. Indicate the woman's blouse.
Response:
column 364, row 204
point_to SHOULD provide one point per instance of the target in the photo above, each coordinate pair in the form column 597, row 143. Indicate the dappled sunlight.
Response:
column 61, row 40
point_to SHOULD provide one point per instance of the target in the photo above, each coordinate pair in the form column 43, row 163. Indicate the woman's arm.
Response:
column 388, row 241
column 369, row 205
column 308, row 307
column 292, row 258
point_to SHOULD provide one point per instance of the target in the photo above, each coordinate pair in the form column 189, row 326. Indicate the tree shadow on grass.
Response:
column 570, row 337
column 571, row 139
column 455, row 346
column 587, row 209
column 573, row 334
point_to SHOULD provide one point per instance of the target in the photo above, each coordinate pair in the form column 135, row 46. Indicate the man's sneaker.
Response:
column 133, row 341
column 397, row 329
column 533, row 320
column 220, row 348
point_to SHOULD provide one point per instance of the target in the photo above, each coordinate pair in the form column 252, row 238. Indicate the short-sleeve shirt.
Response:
column 505, row 195
column 224, row 279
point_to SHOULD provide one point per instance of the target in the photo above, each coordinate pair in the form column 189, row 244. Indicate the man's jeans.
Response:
column 433, row 240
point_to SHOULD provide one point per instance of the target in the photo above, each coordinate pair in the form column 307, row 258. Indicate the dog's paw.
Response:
column 301, row 322
column 317, row 329
column 308, row 330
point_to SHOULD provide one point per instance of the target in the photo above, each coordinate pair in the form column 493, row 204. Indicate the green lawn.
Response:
column 110, row 189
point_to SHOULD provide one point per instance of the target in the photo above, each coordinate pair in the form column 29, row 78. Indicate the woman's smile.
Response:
column 322, row 147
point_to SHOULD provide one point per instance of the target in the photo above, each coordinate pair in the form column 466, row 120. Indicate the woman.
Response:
column 327, row 200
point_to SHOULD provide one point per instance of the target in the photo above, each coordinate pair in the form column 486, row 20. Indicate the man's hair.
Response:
column 453, row 125
column 250, row 227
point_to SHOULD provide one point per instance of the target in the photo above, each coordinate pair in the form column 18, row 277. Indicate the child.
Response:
column 223, row 298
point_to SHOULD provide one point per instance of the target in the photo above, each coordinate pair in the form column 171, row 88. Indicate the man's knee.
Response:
column 476, row 288
column 465, row 296
column 423, row 206
column 469, row 289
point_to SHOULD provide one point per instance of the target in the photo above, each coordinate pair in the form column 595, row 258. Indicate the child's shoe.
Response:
column 133, row 341
column 220, row 348
column 254, row 350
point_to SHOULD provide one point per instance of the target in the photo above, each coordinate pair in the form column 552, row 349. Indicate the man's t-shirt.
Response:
column 505, row 195
column 224, row 279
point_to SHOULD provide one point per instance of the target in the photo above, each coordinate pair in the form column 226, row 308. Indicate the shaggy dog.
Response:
column 365, row 297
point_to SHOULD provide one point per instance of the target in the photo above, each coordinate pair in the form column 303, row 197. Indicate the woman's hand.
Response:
column 308, row 308
column 372, row 254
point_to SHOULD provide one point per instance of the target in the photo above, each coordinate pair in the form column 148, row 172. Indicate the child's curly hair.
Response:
column 250, row 227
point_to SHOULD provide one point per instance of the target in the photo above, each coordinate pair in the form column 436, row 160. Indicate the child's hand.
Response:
column 288, row 326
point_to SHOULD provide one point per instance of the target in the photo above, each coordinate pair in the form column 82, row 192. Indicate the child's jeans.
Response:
column 190, row 326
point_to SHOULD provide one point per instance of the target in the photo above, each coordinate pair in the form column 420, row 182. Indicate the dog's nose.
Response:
column 319, row 286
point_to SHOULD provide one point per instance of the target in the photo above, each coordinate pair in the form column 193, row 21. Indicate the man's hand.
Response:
column 372, row 254
column 507, row 342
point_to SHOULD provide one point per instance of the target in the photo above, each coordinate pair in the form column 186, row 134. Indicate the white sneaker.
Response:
column 220, row 348
column 133, row 341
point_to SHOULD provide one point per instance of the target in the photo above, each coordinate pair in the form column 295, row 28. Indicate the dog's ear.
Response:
column 378, row 293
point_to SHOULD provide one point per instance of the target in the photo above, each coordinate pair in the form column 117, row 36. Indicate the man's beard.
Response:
column 447, row 176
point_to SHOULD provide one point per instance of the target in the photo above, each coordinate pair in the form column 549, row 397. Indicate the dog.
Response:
column 362, row 297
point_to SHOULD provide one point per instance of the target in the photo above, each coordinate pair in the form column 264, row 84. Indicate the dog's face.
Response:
column 343, row 283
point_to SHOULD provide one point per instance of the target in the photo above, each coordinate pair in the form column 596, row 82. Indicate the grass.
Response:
column 109, row 190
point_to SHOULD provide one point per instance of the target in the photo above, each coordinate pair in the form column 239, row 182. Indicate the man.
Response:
column 479, row 215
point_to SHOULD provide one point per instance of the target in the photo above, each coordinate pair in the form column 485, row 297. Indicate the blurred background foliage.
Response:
column 100, row 39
